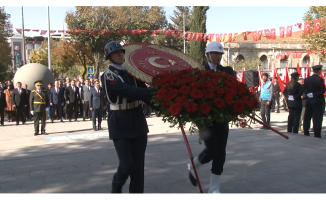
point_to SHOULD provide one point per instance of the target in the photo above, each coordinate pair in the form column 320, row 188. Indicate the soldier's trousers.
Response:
column 215, row 139
column 294, row 119
column 131, row 153
column 314, row 111
column 39, row 116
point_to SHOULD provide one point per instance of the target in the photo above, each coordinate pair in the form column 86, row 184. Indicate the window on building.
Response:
column 239, row 57
column 264, row 61
column 305, row 60
column 284, row 62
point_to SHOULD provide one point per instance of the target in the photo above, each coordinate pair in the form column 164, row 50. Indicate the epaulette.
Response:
column 33, row 91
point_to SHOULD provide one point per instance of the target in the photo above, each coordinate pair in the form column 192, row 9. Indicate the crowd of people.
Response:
column 65, row 100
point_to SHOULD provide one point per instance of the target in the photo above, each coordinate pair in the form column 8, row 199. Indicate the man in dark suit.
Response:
column 27, row 110
column 314, row 88
column 85, row 100
column 3, row 104
column 72, row 99
column 96, row 104
column 56, row 100
column 65, row 85
column 80, row 93
column 19, row 102
column 276, row 96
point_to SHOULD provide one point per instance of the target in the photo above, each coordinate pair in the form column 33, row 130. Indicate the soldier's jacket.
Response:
column 38, row 101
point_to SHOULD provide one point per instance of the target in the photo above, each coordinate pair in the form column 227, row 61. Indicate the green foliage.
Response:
column 198, row 25
column 316, row 40
column 247, row 64
column 5, row 33
column 42, row 53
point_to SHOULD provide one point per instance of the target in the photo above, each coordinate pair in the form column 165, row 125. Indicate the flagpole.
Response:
column 184, row 30
column 49, row 47
column 24, row 53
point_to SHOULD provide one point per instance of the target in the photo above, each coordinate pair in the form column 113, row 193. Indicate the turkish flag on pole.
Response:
column 286, row 78
column 189, row 36
column 267, row 33
column 242, row 77
column 244, row 35
column 273, row 34
column 307, row 71
column 259, row 76
column 282, row 32
column 43, row 32
column 280, row 82
column 298, row 69
column 317, row 23
column 307, row 27
column 179, row 33
column 36, row 30
column 19, row 30
column 289, row 31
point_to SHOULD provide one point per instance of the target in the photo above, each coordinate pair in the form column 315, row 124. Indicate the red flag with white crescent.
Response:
column 307, row 27
column 19, row 30
column 36, row 30
column 286, row 78
column 61, row 31
column 166, row 32
column 178, row 33
column 289, row 31
column 230, row 37
column 220, row 37
column 317, row 23
column 288, row 54
column 282, row 55
column 193, row 36
column 294, row 54
column 322, row 52
column 205, row 37
column 172, row 33
column 307, row 71
column 189, row 36
column 124, row 31
column 224, row 36
column 209, row 37
column 244, row 34
column 282, row 32
column 27, row 30
column 280, row 82
column 184, row 34
column 273, row 34
column 254, row 35
column 259, row 34
column 267, row 33
column 308, row 52
column 43, row 32
column 197, row 36
column 84, row 31
column 235, row 36
column 299, row 54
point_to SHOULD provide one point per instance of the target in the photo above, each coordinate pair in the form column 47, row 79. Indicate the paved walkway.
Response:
column 75, row 159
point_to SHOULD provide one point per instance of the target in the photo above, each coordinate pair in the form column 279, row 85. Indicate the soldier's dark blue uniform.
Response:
column 314, row 88
column 126, row 122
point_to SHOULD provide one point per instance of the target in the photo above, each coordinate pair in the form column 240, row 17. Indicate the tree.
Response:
column 42, row 53
column 5, row 33
column 63, row 57
column 177, row 19
column 316, row 40
column 247, row 64
column 198, row 25
column 104, row 21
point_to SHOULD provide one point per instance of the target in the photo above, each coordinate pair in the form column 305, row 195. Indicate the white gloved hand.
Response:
column 310, row 95
column 32, row 112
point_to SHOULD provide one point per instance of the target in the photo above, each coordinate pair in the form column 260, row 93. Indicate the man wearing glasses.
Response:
column 38, row 102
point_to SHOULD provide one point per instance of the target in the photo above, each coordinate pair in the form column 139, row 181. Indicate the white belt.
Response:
column 124, row 106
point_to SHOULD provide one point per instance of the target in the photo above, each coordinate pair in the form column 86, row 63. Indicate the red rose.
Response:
column 161, row 93
column 196, row 94
column 208, row 93
column 196, row 85
column 184, row 89
column 193, row 107
column 205, row 108
column 238, row 106
column 218, row 102
column 228, row 99
column 173, row 93
column 181, row 100
column 219, row 91
column 175, row 109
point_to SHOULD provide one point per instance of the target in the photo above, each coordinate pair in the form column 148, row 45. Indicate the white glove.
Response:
column 32, row 112
column 310, row 95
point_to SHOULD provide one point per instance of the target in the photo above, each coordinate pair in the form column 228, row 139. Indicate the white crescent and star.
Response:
column 151, row 60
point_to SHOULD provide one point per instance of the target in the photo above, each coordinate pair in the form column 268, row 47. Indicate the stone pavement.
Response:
column 75, row 159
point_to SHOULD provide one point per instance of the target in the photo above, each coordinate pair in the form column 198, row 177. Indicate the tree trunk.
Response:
column 97, row 65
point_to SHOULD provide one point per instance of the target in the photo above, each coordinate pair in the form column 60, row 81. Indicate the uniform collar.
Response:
column 119, row 67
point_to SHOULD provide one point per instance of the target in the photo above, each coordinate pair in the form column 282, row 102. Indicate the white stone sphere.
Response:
column 32, row 72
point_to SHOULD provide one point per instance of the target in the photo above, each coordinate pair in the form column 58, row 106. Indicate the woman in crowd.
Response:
column 9, row 109
column 293, row 91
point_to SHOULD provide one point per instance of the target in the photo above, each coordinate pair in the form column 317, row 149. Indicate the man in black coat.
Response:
column 3, row 104
column 276, row 96
column 96, row 104
column 85, row 100
column 27, row 109
column 215, row 137
column 56, row 100
column 80, row 93
column 19, row 102
column 314, row 88
column 73, row 100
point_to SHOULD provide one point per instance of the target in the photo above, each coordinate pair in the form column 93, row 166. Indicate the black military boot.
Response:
column 116, row 188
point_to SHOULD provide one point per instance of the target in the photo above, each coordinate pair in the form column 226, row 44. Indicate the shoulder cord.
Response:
column 111, row 78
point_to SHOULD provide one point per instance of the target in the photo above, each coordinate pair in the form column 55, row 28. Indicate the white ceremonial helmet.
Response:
column 214, row 47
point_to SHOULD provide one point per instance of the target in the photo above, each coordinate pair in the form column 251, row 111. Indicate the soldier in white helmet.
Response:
column 215, row 137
